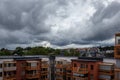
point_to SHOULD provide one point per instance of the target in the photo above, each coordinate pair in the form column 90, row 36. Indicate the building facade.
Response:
column 22, row 68
column 86, row 68
column 117, row 56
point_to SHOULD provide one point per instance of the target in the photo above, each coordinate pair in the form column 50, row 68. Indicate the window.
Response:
column 75, row 65
column 82, row 66
column 60, row 69
column 0, row 65
column 117, row 39
column 69, row 78
column 0, row 74
column 9, row 64
column 28, row 64
column 117, row 75
column 92, row 67
column 44, row 69
column 14, row 64
column 74, row 78
column 34, row 64
column 91, row 77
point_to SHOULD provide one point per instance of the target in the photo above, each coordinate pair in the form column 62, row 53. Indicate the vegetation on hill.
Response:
column 38, row 51
column 45, row 51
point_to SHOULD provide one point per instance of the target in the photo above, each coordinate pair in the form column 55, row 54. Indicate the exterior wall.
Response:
column 91, row 72
column 106, row 71
column 20, row 72
column 2, row 67
column 45, row 70
column 117, row 56
column 117, row 46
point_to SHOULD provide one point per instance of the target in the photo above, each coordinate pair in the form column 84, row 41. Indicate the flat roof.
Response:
column 117, row 34
column 92, row 59
column 27, row 58
column 15, row 57
column 107, row 64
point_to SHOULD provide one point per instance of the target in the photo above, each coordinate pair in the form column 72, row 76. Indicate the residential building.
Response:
column 86, row 68
column 60, row 70
column 20, row 68
column 117, row 56
column 68, row 71
column 106, row 71
column 45, row 70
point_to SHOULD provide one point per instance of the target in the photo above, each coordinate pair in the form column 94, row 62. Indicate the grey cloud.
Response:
column 101, row 26
column 25, row 21
column 105, row 23
column 25, row 16
column 106, row 13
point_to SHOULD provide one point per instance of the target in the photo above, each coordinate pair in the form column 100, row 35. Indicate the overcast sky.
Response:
column 58, row 23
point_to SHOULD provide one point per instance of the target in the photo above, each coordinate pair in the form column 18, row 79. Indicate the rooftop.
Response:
column 93, row 59
column 20, row 57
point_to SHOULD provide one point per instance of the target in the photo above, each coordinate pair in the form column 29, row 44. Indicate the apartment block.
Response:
column 60, row 70
column 68, row 71
column 106, row 71
column 117, row 56
column 86, row 68
column 45, row 70
column 20, row 68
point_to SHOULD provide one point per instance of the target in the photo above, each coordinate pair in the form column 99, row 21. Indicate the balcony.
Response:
column 59, row 78
column 32, row 76
column 32, row 67
column 105, row 77
column 60, row 73
column 117, row 73
column 117, row 51
column 106, row 69
column 10, row 77
column 59, row 66
column 44, row 77
column 68, row 72
column 80, row 78
column 106, row 72
column 44, row 72
column 80, row 70
column 45, row 66
column 9, row 68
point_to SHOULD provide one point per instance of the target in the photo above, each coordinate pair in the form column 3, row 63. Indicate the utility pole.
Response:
column 52, row 67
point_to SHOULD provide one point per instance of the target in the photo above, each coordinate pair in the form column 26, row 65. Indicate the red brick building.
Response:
column 117, row 56
column 21, row 68
column 86, row 68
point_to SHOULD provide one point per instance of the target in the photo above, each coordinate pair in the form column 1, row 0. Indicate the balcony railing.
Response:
column 80, row 70
column 9, row 68
column 31, row 76
column 45, row 65
column 9, row 77
column 80, row 78
column 59, row 66
column 32, row 68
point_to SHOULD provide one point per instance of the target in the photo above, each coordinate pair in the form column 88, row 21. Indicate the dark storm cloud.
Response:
column 25, row 19
column 29, row 21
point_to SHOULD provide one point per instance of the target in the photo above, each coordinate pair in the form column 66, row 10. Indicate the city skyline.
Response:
column 58, row 23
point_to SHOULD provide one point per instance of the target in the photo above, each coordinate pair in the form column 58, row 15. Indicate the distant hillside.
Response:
column 46, row 51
